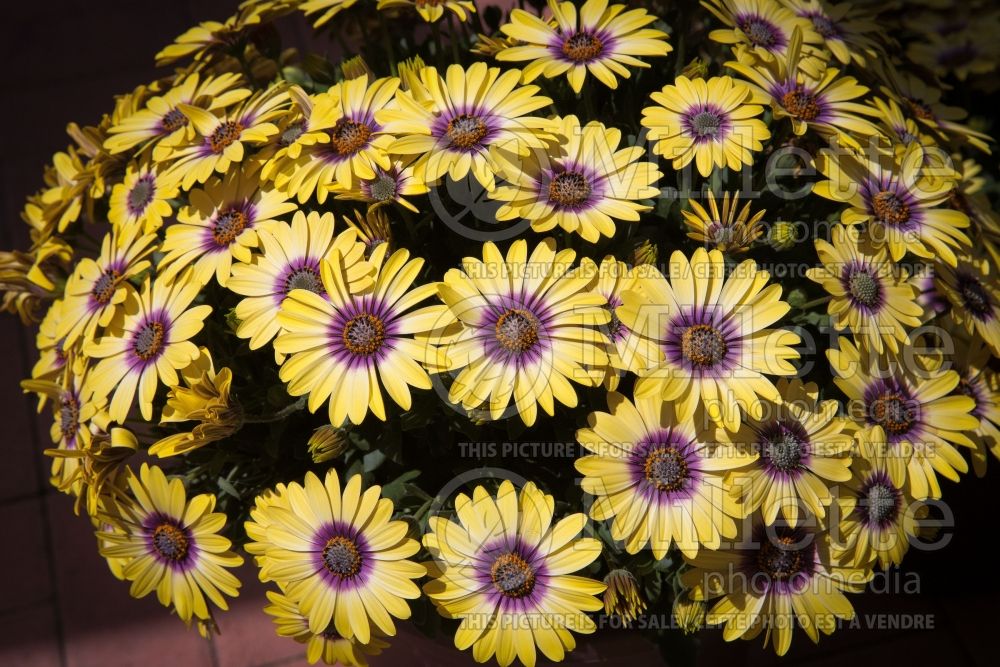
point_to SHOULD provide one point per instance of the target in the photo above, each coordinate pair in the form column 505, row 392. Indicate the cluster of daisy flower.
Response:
column 263, row 328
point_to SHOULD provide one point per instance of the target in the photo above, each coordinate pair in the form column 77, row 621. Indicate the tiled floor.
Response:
column 60, row 607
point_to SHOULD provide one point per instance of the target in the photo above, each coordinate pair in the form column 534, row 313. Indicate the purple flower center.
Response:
column 341, row 557
column 975, row 298
column 801, row 104
column 105, row 286
column 466, row 131
column 349, row 136
column 292, row 133
column 306, row 278
column 889, row 208
column 893, row 411
column 761, row 32
column 666, row 468
column 512, row 576
column 224, row 136
column 782, row 559
column 141, row 194
column 383, row 188
column 171, row 542
column 229, row 225
column 569, row 189
column 364, row 334
column 582, row 47
column 517, row 330
column 863, row 286
column 148, row 340
column 703, row 346
column 879, row 501
column 783, row 446
column 69, row 415
column 173, row 120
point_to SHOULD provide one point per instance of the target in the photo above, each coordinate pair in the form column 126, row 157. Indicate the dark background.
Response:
column 60, row 607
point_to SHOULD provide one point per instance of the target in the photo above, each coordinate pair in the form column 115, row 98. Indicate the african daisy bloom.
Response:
column 221, row 141
column 151, row 346
column 871, row 296
column 982, row 384
column 353, row 145
column 804, row 447
column 290, row 259
column 845, row 31
column 600, row 39
column 387, row 186
column 822, row 102
column 581, row 186
column 704, row 336
column 468, row 114
column 613, row 278
column 337, row 554
column 142, row 198
column 916, row 406
column 772, row 580
column 431, row 10
column 162, row 117
column 763, row 30
column 972, row 287
column 220, row 224
column 656, row 478
column 527, row 325
column 327, row 646
column 713, row 123
column 723, row 229
column 901, row 207
column 879, row 518
column 98, row 288
column 505, row 569
column 172, row 545
column 347, row 346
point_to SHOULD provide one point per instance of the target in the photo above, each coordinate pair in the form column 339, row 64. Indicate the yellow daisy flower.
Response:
column 354, row 145
column 152, row 345
column 915, row 405
column 204, row 397
column 772, row 580
column 870, row 295
column 901, row 207
column 221, row 141
column 327, row 646
column 724, row 230
column 220, row 224
column 657, row 478
column 804, row 447
column 173, row 545
column 98, row 288
column 431, row 10
column 506, row 571
column 879, row 516
column 348, row 346
column 821, row 102
column 142, row 198
column 713, row 123
column 387, row 186
column 581, row 186
column 704, row 336
column 470, row 112
column 290, row 259
column 763, row 29
column 847, row 32
column 972, row 287
column 601, row 39
column 526, row 326
column 162, row 118
column 338, row 555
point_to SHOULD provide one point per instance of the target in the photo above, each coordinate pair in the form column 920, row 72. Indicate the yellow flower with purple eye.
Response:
column 804, row 447
column 522, row 326
column 290, row 259
column 647, row 469
column 870, row 295
column 824, row 102
column 879, row 517
column 600, row 39
column 505, row 569
column 161, row 117
column 220, row 141
column 704, row 336
column 901, row 208
column 453, row 123
column 845, row 31
column 763, row 29
column 386, row 186
column 98, row 288
column 917, row 407
column 170, row 544
column 581, row 186
column 729, row 229
column 337, row 554
column 972, row 287
column 220, row 224
column 350, row 344
column 713, row 123
column 772, row 579
column 142, row 198
column 151, row 346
